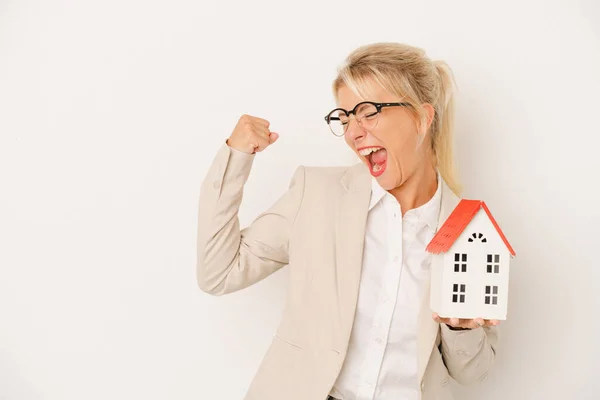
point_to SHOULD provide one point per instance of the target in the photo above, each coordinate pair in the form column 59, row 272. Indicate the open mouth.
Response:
column 376, row 158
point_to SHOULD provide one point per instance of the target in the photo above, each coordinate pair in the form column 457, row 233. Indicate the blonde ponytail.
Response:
column 442, row 134
column 408, row 73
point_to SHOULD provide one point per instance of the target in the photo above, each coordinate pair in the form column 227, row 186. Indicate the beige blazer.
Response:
column 318, row 228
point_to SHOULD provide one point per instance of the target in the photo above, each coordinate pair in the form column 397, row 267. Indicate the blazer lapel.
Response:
column 351, row 220
column 428, row 328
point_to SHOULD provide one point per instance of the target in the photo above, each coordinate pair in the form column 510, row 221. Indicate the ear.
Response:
column 430, row 114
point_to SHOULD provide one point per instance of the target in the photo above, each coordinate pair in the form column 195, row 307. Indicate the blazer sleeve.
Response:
column 468, row 354
column 230, row 259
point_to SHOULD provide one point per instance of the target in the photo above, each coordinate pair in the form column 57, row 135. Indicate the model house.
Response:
column 469, row 276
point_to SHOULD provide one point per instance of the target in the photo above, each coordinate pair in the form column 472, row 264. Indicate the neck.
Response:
column 417, row 190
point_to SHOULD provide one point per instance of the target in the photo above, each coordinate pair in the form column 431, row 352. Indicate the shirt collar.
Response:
column 377, row 193
column 428, row 212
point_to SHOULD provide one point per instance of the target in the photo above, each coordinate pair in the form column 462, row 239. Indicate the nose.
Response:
column 355, row 132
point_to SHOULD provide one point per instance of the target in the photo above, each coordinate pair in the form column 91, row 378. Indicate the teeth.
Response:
column 369, row 150
column 376, row 167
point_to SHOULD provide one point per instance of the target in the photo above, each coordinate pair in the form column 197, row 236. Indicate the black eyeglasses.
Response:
column 365, row 113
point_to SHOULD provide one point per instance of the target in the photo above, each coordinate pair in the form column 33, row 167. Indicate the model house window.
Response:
column 460, row 262
column 477, row 236
column 491, row 295
column 458, row 293
column 493, row 263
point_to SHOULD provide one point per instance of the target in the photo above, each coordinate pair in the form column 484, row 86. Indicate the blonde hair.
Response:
column 406, row 71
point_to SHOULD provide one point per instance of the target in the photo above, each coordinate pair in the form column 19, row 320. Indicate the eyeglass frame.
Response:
column 378, row 106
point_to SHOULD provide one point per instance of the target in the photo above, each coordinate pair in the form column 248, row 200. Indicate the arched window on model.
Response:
column 479, row 237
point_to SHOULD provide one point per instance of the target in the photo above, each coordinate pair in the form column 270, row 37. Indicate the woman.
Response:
column 357, row 323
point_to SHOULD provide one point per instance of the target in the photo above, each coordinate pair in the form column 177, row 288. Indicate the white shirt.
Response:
column 381, row 363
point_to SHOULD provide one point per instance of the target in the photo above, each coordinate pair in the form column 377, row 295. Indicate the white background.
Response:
column 110, row 115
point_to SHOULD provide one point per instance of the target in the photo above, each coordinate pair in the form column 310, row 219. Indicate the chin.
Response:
column 389, row 180
column 385, row 182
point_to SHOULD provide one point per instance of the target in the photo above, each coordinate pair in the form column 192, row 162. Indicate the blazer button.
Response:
column 422, row 386
column 217, row 184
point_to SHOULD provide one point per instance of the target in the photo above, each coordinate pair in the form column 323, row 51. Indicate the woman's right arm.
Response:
column 230, row 259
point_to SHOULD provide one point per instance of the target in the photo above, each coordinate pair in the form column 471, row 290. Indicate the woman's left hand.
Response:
column 465, row 323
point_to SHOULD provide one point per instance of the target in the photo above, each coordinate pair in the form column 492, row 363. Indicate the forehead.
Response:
column 348, row 97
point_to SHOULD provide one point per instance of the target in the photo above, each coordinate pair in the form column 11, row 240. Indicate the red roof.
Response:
column 456, row 224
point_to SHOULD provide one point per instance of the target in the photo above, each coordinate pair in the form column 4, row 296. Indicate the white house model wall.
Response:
column 472, row 280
